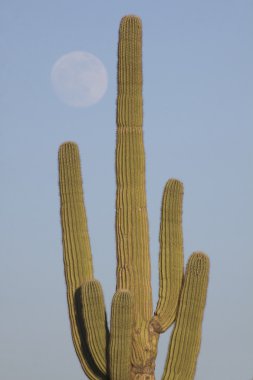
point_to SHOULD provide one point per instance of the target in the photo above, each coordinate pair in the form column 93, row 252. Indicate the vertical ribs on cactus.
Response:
column 129, row 348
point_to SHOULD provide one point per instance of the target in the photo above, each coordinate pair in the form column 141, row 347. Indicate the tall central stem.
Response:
column 132, row 236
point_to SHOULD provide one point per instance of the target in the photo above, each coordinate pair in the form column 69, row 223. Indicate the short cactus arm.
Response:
column 95, row 324
column 133, row 262
column 171, row 256
column 76, row 245
column 121, row 336
column 185, row 343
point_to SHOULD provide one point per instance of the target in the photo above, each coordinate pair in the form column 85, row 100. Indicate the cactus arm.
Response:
column 120, row 335
column 94, row 322
column 185, row 343
column 76, row 245
column 170, row 257
column 133, row 263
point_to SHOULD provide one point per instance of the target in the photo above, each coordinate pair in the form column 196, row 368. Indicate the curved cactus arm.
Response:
column 171, row 262
column 95, row 324
column 121, row 336
column 185, row 343
column 76, row 245
column 133, row 263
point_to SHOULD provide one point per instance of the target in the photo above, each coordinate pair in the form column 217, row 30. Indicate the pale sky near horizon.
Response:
column 198, row 116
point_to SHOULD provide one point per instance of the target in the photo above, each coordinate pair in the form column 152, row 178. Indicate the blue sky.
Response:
column 198, row 90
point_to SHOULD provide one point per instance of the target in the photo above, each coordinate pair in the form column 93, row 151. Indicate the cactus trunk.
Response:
column 132, row 236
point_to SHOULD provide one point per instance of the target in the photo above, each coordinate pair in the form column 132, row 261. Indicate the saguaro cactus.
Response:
column 129, row 350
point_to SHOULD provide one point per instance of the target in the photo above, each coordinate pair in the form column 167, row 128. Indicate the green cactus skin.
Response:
column 185, row 342
column 94, row 320
column 121, row 335
column 130, row 349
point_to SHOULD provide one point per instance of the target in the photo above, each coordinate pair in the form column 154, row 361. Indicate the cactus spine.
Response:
column 129, row 350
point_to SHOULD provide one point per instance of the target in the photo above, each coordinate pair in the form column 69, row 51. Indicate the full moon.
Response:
column 79, row 79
